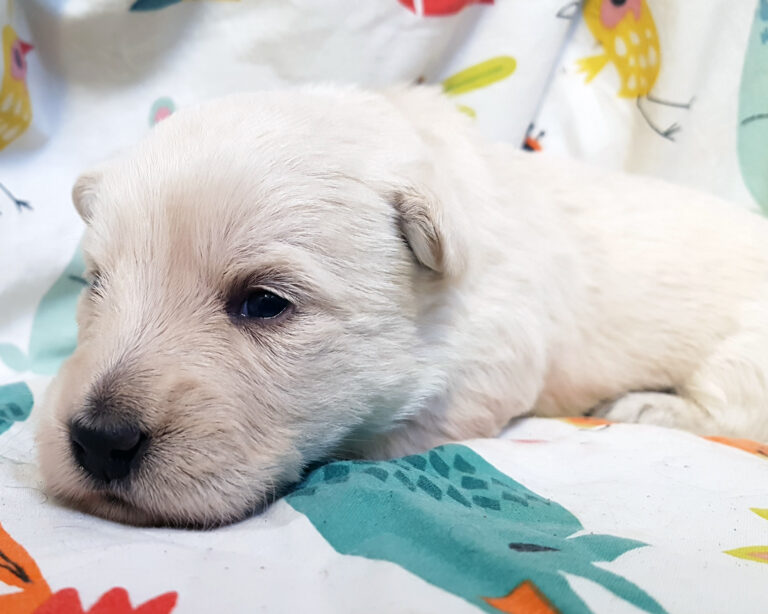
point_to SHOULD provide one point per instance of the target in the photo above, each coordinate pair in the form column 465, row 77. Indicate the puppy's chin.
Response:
column 115, row 508
column 129, row 505
column 111, row 507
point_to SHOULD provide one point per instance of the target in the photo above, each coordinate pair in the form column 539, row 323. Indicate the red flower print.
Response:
column 115, row 601
column 18, row 569
column 439, row 8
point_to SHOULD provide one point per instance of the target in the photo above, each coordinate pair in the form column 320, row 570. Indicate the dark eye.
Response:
column 17, row 58
column 618, row 2
column 94, row 281
column 263, row 304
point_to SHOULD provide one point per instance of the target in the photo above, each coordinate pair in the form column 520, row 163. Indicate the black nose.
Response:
column 108, row 451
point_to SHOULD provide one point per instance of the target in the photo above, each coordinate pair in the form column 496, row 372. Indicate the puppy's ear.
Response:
column 84, row 193
column 428, row 233
column 432, row 207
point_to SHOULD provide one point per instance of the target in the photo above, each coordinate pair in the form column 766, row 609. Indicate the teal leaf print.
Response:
column 15, row 404
column 456, row 521
column 54, row 330
column 753, row 110
column 152, row 5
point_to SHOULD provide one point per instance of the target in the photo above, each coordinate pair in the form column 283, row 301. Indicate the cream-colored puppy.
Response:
column 287, row 276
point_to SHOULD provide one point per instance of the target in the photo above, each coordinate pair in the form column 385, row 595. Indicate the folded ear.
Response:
column 84, row 193
column 429, row 234
column 432, row 208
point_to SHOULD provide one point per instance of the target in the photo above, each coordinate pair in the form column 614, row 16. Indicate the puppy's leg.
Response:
column 727, row 394
column 662, row 409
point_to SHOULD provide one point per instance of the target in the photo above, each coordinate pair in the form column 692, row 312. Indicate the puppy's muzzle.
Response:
column 107, row 449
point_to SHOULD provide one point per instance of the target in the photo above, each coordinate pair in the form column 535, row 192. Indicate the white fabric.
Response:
column 100, row 75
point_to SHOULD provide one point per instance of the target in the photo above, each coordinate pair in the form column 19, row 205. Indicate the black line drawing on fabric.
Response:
column 570, row 10
column 754, row 118
column 20, row 204
column 531, row 142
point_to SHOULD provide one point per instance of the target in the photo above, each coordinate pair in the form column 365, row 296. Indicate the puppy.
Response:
column 284, row 277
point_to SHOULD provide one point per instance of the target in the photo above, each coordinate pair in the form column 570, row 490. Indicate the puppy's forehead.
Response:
column 220, row 182
column 356, row 133
column 220, row 222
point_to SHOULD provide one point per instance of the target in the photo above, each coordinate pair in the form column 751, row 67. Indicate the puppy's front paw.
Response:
column 656, row 408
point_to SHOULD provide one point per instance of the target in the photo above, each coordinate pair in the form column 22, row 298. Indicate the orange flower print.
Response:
column 586, row 422
column 18, row 569
column 525, row 599
column 753, row 447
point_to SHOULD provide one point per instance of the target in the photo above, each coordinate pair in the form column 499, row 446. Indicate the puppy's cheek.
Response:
column 216, row 486
column 61, row 476
column 62, row 400
column 174, row 502
column 85, row 316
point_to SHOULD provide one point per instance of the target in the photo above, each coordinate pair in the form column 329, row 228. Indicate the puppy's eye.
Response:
column 94, row 281
column 263, row 304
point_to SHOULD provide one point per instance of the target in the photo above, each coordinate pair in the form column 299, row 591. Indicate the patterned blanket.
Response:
column 554, row 516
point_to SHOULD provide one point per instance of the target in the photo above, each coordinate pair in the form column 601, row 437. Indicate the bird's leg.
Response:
column 531, row 143
column 20, row 204
column 570, row 10
column 668, row 133
column 667, row 103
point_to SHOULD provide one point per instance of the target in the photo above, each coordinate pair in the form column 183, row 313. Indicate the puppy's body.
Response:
column 592, row 290
column 527, row 284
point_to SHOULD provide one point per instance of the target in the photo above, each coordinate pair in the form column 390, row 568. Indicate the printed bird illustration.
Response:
column 459, row 523
column 627, row 33
column 15, row 105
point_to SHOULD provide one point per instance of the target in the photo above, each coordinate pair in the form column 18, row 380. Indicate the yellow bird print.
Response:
column 15, row 106
column 627, row 33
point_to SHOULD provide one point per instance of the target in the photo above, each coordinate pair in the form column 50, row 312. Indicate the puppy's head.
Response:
column 260, row 268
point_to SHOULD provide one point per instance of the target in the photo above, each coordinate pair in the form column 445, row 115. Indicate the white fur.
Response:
column 531, row 285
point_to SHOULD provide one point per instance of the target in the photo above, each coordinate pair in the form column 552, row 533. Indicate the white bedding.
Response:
column 684, row 520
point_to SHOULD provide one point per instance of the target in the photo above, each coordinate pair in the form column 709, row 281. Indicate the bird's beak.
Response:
column 25, row 47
